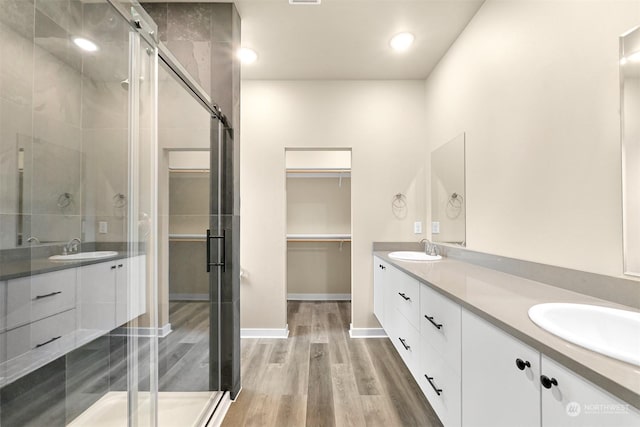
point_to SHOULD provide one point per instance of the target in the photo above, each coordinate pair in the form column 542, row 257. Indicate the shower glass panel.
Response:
column 78, row 321
column 189, row 355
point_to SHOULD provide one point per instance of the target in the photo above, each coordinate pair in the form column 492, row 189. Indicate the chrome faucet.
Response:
column 429, row 247
column 33, row 239
column 71, row 247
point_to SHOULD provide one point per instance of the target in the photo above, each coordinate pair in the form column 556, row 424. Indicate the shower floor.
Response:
column 185, row 409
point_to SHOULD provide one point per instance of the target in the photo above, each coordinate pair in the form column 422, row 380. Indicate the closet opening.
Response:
column 318, row 198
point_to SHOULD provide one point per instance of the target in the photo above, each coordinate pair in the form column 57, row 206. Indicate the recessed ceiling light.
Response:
column 85, row 44
column 247, row 56
column 401, row 42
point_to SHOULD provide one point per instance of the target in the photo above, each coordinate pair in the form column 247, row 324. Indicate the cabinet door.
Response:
column 380, row 269
column 495, row 392
column 97, row 296
column 576, row 402
column 123, row 302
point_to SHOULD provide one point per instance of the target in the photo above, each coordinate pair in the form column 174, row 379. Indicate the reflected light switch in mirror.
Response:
column 435, row 227
column 103, row 227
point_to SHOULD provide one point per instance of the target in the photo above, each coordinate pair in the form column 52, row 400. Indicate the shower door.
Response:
column 223, row 258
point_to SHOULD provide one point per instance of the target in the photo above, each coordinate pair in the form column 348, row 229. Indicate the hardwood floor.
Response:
column 321, row 377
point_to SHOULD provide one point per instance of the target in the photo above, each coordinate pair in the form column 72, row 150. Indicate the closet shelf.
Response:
column 318, row 237
column 318, row 173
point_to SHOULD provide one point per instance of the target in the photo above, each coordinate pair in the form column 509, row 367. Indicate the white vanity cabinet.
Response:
column 111, row 293
column 402, row 315
column 39, row 311
column 440, row 341
column 380, row 283
column 496, row 392
column 575, row 402
column 474, row 374
column 130, row 289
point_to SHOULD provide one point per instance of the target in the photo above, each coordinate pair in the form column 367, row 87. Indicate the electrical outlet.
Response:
column 435, row 227
column 417, row 227
column 103, row 227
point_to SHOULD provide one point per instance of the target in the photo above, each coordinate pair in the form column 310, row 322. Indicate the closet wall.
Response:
column 188, row 220
column 318, row 225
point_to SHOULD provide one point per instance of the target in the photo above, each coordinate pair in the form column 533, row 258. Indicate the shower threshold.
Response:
column 188, row 409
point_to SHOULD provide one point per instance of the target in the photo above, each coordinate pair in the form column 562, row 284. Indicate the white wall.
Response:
column 535, row 86
column 382, row 122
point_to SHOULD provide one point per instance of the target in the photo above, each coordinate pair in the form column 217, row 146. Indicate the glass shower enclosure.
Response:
column 81, row 300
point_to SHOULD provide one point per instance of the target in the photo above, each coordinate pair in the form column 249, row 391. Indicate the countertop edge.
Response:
column 606, row 383
column 63, row 265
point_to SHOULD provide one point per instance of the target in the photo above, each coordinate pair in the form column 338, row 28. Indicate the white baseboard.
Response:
column 264, row 333
column 319, row 297
column 142, row 331
column 188, row 297
column 366, row 332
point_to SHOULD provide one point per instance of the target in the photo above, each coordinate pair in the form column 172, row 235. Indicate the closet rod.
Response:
column 319, row 240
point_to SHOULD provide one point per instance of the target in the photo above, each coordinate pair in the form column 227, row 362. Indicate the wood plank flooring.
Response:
column 321, row 377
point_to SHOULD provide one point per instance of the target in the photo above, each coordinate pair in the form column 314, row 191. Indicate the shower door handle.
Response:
column 221, row 263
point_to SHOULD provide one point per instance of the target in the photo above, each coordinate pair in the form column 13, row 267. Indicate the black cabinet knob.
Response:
column 548, row 382
column 522, row 364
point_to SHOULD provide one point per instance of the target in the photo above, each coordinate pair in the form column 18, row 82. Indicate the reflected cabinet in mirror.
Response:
column 448, row 204
column 630, row 129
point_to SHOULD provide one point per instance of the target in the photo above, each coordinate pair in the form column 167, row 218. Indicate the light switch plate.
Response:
column 417, row 227
column 435, row 227
column 103, row 227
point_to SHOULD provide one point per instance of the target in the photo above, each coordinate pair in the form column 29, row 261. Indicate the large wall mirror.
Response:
column 448, row 204
column 630, row 116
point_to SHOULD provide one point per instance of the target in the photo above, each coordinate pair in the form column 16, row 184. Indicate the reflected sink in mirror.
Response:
column 413, row 256
column 605, row 330
column 84, row 256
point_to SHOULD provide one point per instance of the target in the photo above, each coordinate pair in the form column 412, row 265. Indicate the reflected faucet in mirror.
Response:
column 71, row 247
column 33, row 239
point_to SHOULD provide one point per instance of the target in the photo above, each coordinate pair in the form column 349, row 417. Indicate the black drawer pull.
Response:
column 120, row 265
column 430, row 319
column 381, row 266
column 403, row 295
column 436, row 389
column 404, row 344
column 49, row 342
column 48, row 295
column 522, row 364
column 548, row 382
column 113, row 267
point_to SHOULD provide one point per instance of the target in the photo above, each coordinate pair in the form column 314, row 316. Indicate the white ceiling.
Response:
column 349, row 39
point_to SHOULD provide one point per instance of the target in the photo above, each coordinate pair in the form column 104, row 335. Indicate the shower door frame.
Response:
column 228, row 377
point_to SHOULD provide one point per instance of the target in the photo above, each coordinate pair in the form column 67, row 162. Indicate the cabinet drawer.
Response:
column 406, row 296
column 440, row 325
column 406, row 340
column 447, row 401
column 33, row 298
column 44, row 334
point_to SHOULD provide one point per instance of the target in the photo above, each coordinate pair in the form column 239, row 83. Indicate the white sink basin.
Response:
column 83, row 256
column 609, row 331
column 413, row 256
